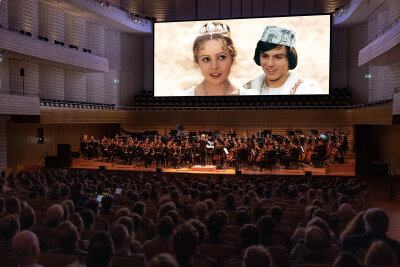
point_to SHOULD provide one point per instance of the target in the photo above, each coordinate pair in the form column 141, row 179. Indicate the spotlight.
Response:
column 108, row 5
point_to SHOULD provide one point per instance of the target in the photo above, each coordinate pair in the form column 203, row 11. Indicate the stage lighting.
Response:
column 108, row 5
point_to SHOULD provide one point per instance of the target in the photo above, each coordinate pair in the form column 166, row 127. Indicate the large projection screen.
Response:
column 175, row 70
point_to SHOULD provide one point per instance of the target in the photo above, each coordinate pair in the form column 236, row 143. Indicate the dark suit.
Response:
column 203, row 151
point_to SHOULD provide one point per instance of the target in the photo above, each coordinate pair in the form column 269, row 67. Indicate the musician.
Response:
column 218, row 154
column 203, row 142
column 84, row 146
column 93, row 145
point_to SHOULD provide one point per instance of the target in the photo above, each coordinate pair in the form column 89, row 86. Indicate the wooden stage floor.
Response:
column 331, row 169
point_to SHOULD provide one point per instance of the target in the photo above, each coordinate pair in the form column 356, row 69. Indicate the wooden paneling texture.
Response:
column 23, row 149
column 225, row 118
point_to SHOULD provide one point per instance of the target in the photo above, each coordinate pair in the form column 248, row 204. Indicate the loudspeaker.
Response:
column 238, row 172
column 158, row 170
column 64, row 154
column 51, row 162
column 102, row 168
column 21, row 72
column 308, row 173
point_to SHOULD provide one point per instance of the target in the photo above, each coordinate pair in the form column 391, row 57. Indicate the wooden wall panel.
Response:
column 216, row 118
column 23, row 149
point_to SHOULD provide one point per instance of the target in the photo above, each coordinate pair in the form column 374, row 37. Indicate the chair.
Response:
column 50, row 260
column 218, row 252
column 119, row 261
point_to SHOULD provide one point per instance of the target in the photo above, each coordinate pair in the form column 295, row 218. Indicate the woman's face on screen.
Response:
column 275, row 64
column 215, row 61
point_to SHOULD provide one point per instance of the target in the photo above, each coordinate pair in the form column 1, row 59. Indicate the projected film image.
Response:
column 257, row 56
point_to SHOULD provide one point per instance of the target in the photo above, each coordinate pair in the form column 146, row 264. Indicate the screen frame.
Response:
column 244, row 18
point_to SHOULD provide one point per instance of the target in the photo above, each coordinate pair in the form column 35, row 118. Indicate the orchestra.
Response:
column 264, row 150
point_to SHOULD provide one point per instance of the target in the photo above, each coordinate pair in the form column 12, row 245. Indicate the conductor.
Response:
column 203, row 149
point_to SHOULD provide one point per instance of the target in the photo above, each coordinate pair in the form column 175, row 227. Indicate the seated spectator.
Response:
column 200, row 211
column 257, row 256
column 380, row 254
column 163, row 260
column 185, row 244
column 88, row 219
column 26, row 248
column 312, row 250
column 101, row 250
column 9, row 227
column 355, row 227
column 100, row 222
column 55, row 215
column 376, row 226
column 165, row 228
column 214, row 226
column 249, row 236
column 134, row 245
column 120, row 237
column 13, row 206
column 267, row 230
column 106, row 205
column 67, row 240
column 27, row 218
column 242, row 218
column 202, row 233
column 230, row 202
column 346, row 259
column 77, row 221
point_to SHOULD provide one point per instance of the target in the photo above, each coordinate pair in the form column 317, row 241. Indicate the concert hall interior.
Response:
column 96, row 143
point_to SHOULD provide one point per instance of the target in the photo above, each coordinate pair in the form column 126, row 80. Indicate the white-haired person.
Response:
column 276, row 54
column 214, row 54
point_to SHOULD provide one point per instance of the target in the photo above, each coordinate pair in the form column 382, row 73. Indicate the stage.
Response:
column 329, row 169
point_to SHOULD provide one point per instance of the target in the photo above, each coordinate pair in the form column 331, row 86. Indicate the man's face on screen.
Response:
column 275, row 65
column 215, row 61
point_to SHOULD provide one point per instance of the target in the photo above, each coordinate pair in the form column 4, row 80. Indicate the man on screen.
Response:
column 276, row 54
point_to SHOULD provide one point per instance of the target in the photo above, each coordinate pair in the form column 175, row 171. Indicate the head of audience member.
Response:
column 315, row 238
column 9, row 227
column 101, row 250
column 139, row 208
column 267, row 228
column 13, row 206
column 346, row 259
column 230, row 202
column 346, row 212
column 26, row 248
column 257, row 256
column 70, row 204
column 55, row 214
column 200, row 211
column 376, row 221
column 210, row 204
column 322, row 214
column 214, row 224
column 77, row 221
column 91, row 204
column 67, row 236
column 27, row 218
column 276, row 214
column 380, row 254
column 163, row 260
column 355, row 227
column 120, row 237
column 200, row 228
column 107, row 203
column 88, row 218
column 185, row 242
column 259, row 212
column 249, row 236
column 128, row 223
column 165, row 227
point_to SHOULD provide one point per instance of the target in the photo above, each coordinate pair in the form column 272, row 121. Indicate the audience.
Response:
column 180, row 216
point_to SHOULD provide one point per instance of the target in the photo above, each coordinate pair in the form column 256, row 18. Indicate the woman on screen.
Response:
column 214, row 53
column 276, row 54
